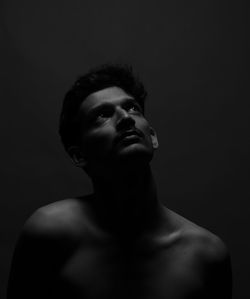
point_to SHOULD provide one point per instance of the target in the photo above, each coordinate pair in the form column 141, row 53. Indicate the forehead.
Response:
column 114, row 95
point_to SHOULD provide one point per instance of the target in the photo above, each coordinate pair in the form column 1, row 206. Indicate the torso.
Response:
column 133, row 271
column 98, row 267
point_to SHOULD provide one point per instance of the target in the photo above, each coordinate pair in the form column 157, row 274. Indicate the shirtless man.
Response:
column 119, row 242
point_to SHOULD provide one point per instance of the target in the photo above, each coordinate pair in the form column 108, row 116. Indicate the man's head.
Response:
column 102, row 120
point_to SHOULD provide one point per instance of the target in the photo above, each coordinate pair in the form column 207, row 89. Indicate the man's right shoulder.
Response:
column 55, row 219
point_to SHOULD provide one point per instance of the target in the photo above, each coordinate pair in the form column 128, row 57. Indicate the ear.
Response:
column 77, row 156
column 154, row 138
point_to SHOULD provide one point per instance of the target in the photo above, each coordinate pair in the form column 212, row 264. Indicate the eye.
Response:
column 103, row 113
column 133, row 107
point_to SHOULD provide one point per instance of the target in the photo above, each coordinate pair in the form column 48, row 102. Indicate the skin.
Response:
column 120, row 241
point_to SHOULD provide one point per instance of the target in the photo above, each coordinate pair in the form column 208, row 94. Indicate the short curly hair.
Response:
column 101, row 77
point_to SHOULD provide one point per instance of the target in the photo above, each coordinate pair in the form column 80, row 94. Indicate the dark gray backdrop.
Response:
column 191, row 56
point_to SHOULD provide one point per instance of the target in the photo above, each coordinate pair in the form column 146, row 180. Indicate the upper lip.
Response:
column 129, row 133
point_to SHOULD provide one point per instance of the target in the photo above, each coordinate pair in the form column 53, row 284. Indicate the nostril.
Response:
column 125, row 122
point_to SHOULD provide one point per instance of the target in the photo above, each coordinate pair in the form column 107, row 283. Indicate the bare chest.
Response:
column 124, row 272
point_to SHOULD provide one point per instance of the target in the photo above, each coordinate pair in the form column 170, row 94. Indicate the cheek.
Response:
column 145, row 128
column 97, row 143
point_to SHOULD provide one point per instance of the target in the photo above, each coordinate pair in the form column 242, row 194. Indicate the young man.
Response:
column 119, row 242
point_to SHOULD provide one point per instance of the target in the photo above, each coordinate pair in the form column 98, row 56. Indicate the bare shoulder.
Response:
column 208, row 255
column 204, row 243
column 56, row 218
column 50, row 231
column 47, row 237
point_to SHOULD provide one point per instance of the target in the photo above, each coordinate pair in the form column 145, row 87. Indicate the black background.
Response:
column 191, row 55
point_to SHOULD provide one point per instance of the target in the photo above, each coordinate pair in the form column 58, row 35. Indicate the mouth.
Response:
column 129, row 136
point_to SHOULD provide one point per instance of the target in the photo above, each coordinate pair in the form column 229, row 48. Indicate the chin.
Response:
column 135, row 153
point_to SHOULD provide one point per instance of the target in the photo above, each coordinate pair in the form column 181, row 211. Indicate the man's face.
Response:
column 113, row 128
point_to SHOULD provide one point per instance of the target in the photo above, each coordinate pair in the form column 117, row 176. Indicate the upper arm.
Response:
column 26, row 268
column 218, row 271
column 33, row 261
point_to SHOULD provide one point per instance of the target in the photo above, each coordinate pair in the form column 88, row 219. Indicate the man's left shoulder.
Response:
column 208, row 256
column 212, row 260
column 206, row 245
column 202, row 242
column 210, row 247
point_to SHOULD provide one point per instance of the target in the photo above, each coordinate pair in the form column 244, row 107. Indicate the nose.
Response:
column 125, row 121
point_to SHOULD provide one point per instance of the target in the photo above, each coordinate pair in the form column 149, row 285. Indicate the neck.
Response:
column 127, row 201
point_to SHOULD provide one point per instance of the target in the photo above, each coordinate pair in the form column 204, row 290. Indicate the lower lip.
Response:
column 130, row 138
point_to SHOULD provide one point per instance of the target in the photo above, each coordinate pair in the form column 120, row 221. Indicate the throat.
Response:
column 127, row 204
